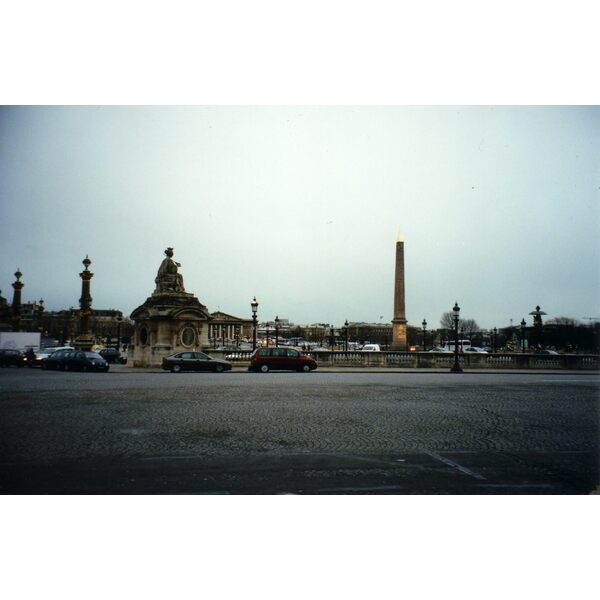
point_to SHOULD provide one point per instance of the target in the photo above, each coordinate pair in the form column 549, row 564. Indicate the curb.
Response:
column 238, row 370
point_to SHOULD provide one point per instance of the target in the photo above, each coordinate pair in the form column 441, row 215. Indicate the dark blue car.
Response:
column 85, row 361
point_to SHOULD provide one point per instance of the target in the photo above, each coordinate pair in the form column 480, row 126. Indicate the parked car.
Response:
column 112, row 355
column 42, row 354
column 545, row 352
column 440, row 349
column 476, row 349
column 371, row 348
column 9, row 357
column 290, row 359
column 194, row 361
column 85, row 361
column 56, row 360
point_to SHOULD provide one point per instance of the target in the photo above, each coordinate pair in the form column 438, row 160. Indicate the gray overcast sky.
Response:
column 301, row 206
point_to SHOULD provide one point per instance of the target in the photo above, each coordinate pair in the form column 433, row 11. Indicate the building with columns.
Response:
column 227, row 329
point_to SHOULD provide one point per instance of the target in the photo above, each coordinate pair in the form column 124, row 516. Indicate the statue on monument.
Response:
column 168, row 279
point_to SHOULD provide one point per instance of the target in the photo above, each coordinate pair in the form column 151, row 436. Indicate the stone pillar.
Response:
column 85, row 341
column 16, row 303
column 399, row 341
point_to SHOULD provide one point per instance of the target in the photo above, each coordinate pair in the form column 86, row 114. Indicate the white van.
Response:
column 371, row 348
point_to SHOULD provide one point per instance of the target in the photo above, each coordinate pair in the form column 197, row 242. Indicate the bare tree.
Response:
column 447, row 320
column 469, row 326
column 563, row 321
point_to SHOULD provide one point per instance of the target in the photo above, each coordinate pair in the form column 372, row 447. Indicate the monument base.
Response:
column 399, row 336
column 165, row 324
column 84, row 342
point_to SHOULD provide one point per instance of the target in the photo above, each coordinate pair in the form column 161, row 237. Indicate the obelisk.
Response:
column 399, row 321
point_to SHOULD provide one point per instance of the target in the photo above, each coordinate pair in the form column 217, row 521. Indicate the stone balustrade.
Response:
column 435, row 360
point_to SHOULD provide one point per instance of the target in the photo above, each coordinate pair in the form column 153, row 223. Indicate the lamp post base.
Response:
column 456, row 368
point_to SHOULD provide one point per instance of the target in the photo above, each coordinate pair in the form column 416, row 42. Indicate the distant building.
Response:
column 63, row 325
column 5, row 321
column 376, row 333
column 228, row 329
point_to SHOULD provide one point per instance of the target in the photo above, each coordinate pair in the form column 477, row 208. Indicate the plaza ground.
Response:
column 327, row 432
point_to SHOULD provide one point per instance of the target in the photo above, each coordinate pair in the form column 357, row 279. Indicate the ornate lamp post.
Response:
column 494, row 340
column 346, row 334
column 276, row 332
column 331, row 338
column 424, row 323
column 456, row 367
column 267, row 332
column 85, row 342
column 254, row 306
column 523, row 324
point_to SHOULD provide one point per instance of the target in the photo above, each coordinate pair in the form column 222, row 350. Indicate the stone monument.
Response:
column 171, row 320
column 399, row 340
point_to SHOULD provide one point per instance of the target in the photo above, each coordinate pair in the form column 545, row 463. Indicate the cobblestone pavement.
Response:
column 128, row 432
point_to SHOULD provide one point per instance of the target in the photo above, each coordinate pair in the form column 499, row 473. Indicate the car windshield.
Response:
column 92, row 355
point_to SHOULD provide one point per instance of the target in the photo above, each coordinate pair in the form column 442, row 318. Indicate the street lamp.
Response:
column 424, row 323
column 523, row 324
column 331, row 339
column 276, row 332
column 456, row 367
column 494, row 340
column 346, row 333
column 119, row 321
column 254, row 306
column 267, row 332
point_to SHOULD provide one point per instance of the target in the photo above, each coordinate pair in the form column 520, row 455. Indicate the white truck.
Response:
column 19, row 340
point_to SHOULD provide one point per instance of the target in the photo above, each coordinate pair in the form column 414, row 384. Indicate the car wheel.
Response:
column 85, row 368
column 176, row 369
column 218, row 368
column 306, row 368
column 66, row 367
column 264, row 368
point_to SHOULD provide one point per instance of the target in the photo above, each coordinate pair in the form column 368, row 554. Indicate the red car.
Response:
column 267, row 359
